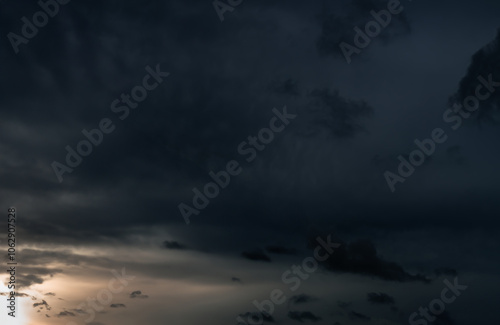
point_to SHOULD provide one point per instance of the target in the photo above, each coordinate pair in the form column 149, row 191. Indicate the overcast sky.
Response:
column 315, row 138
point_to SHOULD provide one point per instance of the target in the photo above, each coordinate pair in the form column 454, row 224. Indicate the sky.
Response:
column 250, row 162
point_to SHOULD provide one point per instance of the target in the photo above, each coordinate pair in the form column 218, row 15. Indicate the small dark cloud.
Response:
column 138, row 294
column 42, row 304
column 173, row 245
column 235, row 279
column 117, row 306
column 380, row 298
column 281, row 250
column 302, row 298
column 355, row 315
column 50, row 294
column 302, row 316
column 256, row 255
column 66, row 314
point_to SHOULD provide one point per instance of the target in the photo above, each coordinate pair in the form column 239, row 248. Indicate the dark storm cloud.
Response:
column 256, row 255
column 361, row 257
column 380, row 298
column 339, row 19
column 220, row 91
column 91, row 53
column 485, row 63
column 274, row 249
column 302, row 316
column 173, row 245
